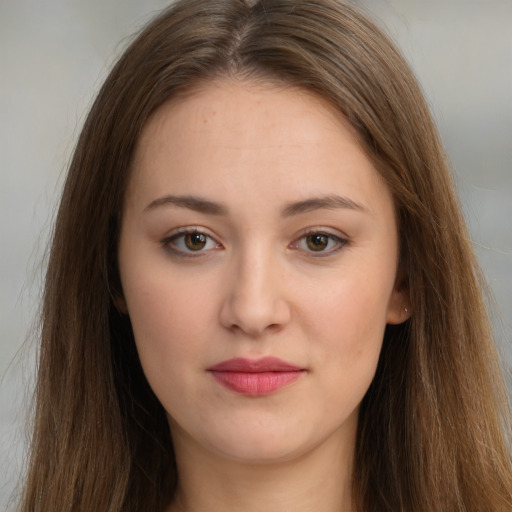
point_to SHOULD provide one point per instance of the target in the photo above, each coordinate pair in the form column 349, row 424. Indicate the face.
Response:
column 258, row 259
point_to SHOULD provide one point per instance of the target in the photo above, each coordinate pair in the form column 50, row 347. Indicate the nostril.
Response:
column 237, row 315
column 256, row 332
column 274, row 327
column 255, row 302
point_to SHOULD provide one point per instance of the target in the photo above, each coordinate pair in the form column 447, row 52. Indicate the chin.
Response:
column 257, row 443
column 261, row 451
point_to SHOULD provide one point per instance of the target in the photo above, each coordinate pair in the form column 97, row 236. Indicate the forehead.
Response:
column 236, row 105
column 230, row 136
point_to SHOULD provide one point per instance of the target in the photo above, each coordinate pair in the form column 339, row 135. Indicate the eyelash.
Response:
column 169, row 243
column 339, row 243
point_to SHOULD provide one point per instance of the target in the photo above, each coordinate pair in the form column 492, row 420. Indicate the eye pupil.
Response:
column 195, row 241
column 317, row 242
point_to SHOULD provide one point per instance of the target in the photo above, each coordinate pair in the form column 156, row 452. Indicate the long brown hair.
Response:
column 434, row 425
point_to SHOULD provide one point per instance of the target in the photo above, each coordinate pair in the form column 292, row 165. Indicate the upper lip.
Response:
column 264, row 364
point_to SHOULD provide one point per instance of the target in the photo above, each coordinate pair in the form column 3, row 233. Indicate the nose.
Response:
column 254, row 299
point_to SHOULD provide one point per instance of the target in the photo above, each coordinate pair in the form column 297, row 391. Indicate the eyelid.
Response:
column 177, row 233
column 341, row 239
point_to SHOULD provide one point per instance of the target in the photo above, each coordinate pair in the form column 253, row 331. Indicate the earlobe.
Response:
column 399, row 314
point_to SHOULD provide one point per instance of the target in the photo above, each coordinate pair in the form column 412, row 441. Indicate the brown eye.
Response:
column 195, row 241
column 191, row 243
column 317, row 242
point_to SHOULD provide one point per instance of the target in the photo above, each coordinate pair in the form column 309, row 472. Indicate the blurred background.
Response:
column 54, row 55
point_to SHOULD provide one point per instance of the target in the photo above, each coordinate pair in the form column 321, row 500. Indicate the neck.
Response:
column 319, row 480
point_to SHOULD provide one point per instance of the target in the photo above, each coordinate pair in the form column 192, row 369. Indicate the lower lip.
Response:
column 256, row 383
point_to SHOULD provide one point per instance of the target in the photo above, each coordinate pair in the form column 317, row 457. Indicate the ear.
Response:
column 120, row 303
column 399, row 307
column 116, row 290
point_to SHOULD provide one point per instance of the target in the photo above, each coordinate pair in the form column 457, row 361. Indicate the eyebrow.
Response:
column 329, row 202
column 196, row 204
column 206, row 206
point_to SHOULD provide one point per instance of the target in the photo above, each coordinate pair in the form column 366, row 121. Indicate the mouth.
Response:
column 255, row 377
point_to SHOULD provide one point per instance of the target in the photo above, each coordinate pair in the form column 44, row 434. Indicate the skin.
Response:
column 259, row 287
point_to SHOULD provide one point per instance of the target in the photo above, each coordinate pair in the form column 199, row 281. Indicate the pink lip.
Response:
column 255, row 377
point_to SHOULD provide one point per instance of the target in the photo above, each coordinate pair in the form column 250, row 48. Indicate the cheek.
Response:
column 348, row 324
column 169, row 321
column 353, row 312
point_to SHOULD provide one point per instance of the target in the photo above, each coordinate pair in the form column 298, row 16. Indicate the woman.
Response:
column 261, row 292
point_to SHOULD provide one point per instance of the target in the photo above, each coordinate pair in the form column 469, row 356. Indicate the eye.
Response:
column 319, row 242
column 190, row 241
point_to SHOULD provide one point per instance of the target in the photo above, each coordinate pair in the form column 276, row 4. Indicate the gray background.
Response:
column 54, row 55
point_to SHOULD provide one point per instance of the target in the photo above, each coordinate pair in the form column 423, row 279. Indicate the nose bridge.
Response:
column 255, row 298
column 256, row 274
